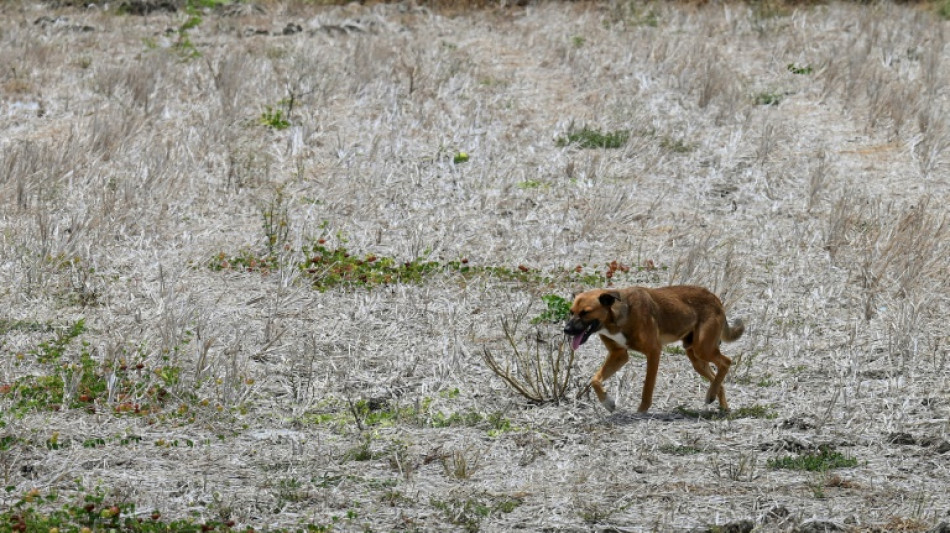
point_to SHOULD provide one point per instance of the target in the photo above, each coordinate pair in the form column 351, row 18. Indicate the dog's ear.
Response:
column 607, row 299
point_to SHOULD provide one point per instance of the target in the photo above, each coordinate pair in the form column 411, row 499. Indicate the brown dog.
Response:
column 644, row 320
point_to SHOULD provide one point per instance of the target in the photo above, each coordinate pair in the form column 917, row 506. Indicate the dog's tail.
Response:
column 731, row 333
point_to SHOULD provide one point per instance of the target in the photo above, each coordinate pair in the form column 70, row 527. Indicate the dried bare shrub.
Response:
column 538, row 367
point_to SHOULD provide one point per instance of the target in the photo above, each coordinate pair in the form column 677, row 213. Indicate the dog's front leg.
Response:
column 616, row 357
column 653, row 366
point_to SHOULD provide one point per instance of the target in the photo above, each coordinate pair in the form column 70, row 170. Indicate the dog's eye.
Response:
column 585, row 312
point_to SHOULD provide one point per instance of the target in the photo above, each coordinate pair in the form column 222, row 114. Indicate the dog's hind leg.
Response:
column 706, row 349
column 703, row 369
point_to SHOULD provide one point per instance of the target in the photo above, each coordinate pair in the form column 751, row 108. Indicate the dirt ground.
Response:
column 253, row 256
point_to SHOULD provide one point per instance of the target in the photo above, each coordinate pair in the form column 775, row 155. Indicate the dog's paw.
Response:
column 609, row 404
column 710, row 396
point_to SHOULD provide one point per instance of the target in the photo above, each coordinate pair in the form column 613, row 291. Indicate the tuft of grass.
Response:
column 767, row 98
column 802, row 71
column 468, row 512
column 679, row 449
column 818, row 461
column 591, row 138
column 677, row 146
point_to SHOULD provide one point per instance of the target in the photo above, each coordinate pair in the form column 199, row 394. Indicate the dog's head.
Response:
column 590, row 313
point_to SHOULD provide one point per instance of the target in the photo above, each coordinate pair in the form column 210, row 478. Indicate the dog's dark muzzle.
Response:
column 579, row 331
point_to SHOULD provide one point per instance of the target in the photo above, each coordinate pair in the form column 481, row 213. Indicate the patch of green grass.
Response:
column 51, row 351
column 327, row 267
column 557, row 309
column 943, row 9
column 591, row 138
column 802, row 71
column 27, row 326
column 459, row 158
column 468, row 513
column 65, row 381
column 824, row 459
column 529, row 184
column 92, row 511
column 767, row 98
column 679, row 449
column 674, row 349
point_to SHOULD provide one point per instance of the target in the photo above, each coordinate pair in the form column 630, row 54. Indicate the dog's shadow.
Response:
column 632, row 417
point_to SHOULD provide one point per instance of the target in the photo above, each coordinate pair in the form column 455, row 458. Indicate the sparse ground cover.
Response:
column 264, row 265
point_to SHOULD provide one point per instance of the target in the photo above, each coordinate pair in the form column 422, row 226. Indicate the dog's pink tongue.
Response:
column 576, row 341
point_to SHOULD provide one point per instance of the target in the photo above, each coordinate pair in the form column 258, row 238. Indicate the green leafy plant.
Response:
column 187, row 49
column 274, row 118
column 558, row 309
column 591, row 138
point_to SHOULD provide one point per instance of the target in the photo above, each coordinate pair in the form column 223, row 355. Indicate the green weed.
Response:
column 591, row 138
column 183, row 45
column 802, row 71
column 274, row 118
column 558, row 309
column 767, row 98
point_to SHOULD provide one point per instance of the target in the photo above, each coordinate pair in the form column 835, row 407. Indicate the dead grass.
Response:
column 128, row 164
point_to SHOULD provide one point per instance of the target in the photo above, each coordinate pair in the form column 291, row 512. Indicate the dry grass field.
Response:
column 253, row 258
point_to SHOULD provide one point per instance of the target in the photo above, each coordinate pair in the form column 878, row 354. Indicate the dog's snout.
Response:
column 573, row 327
